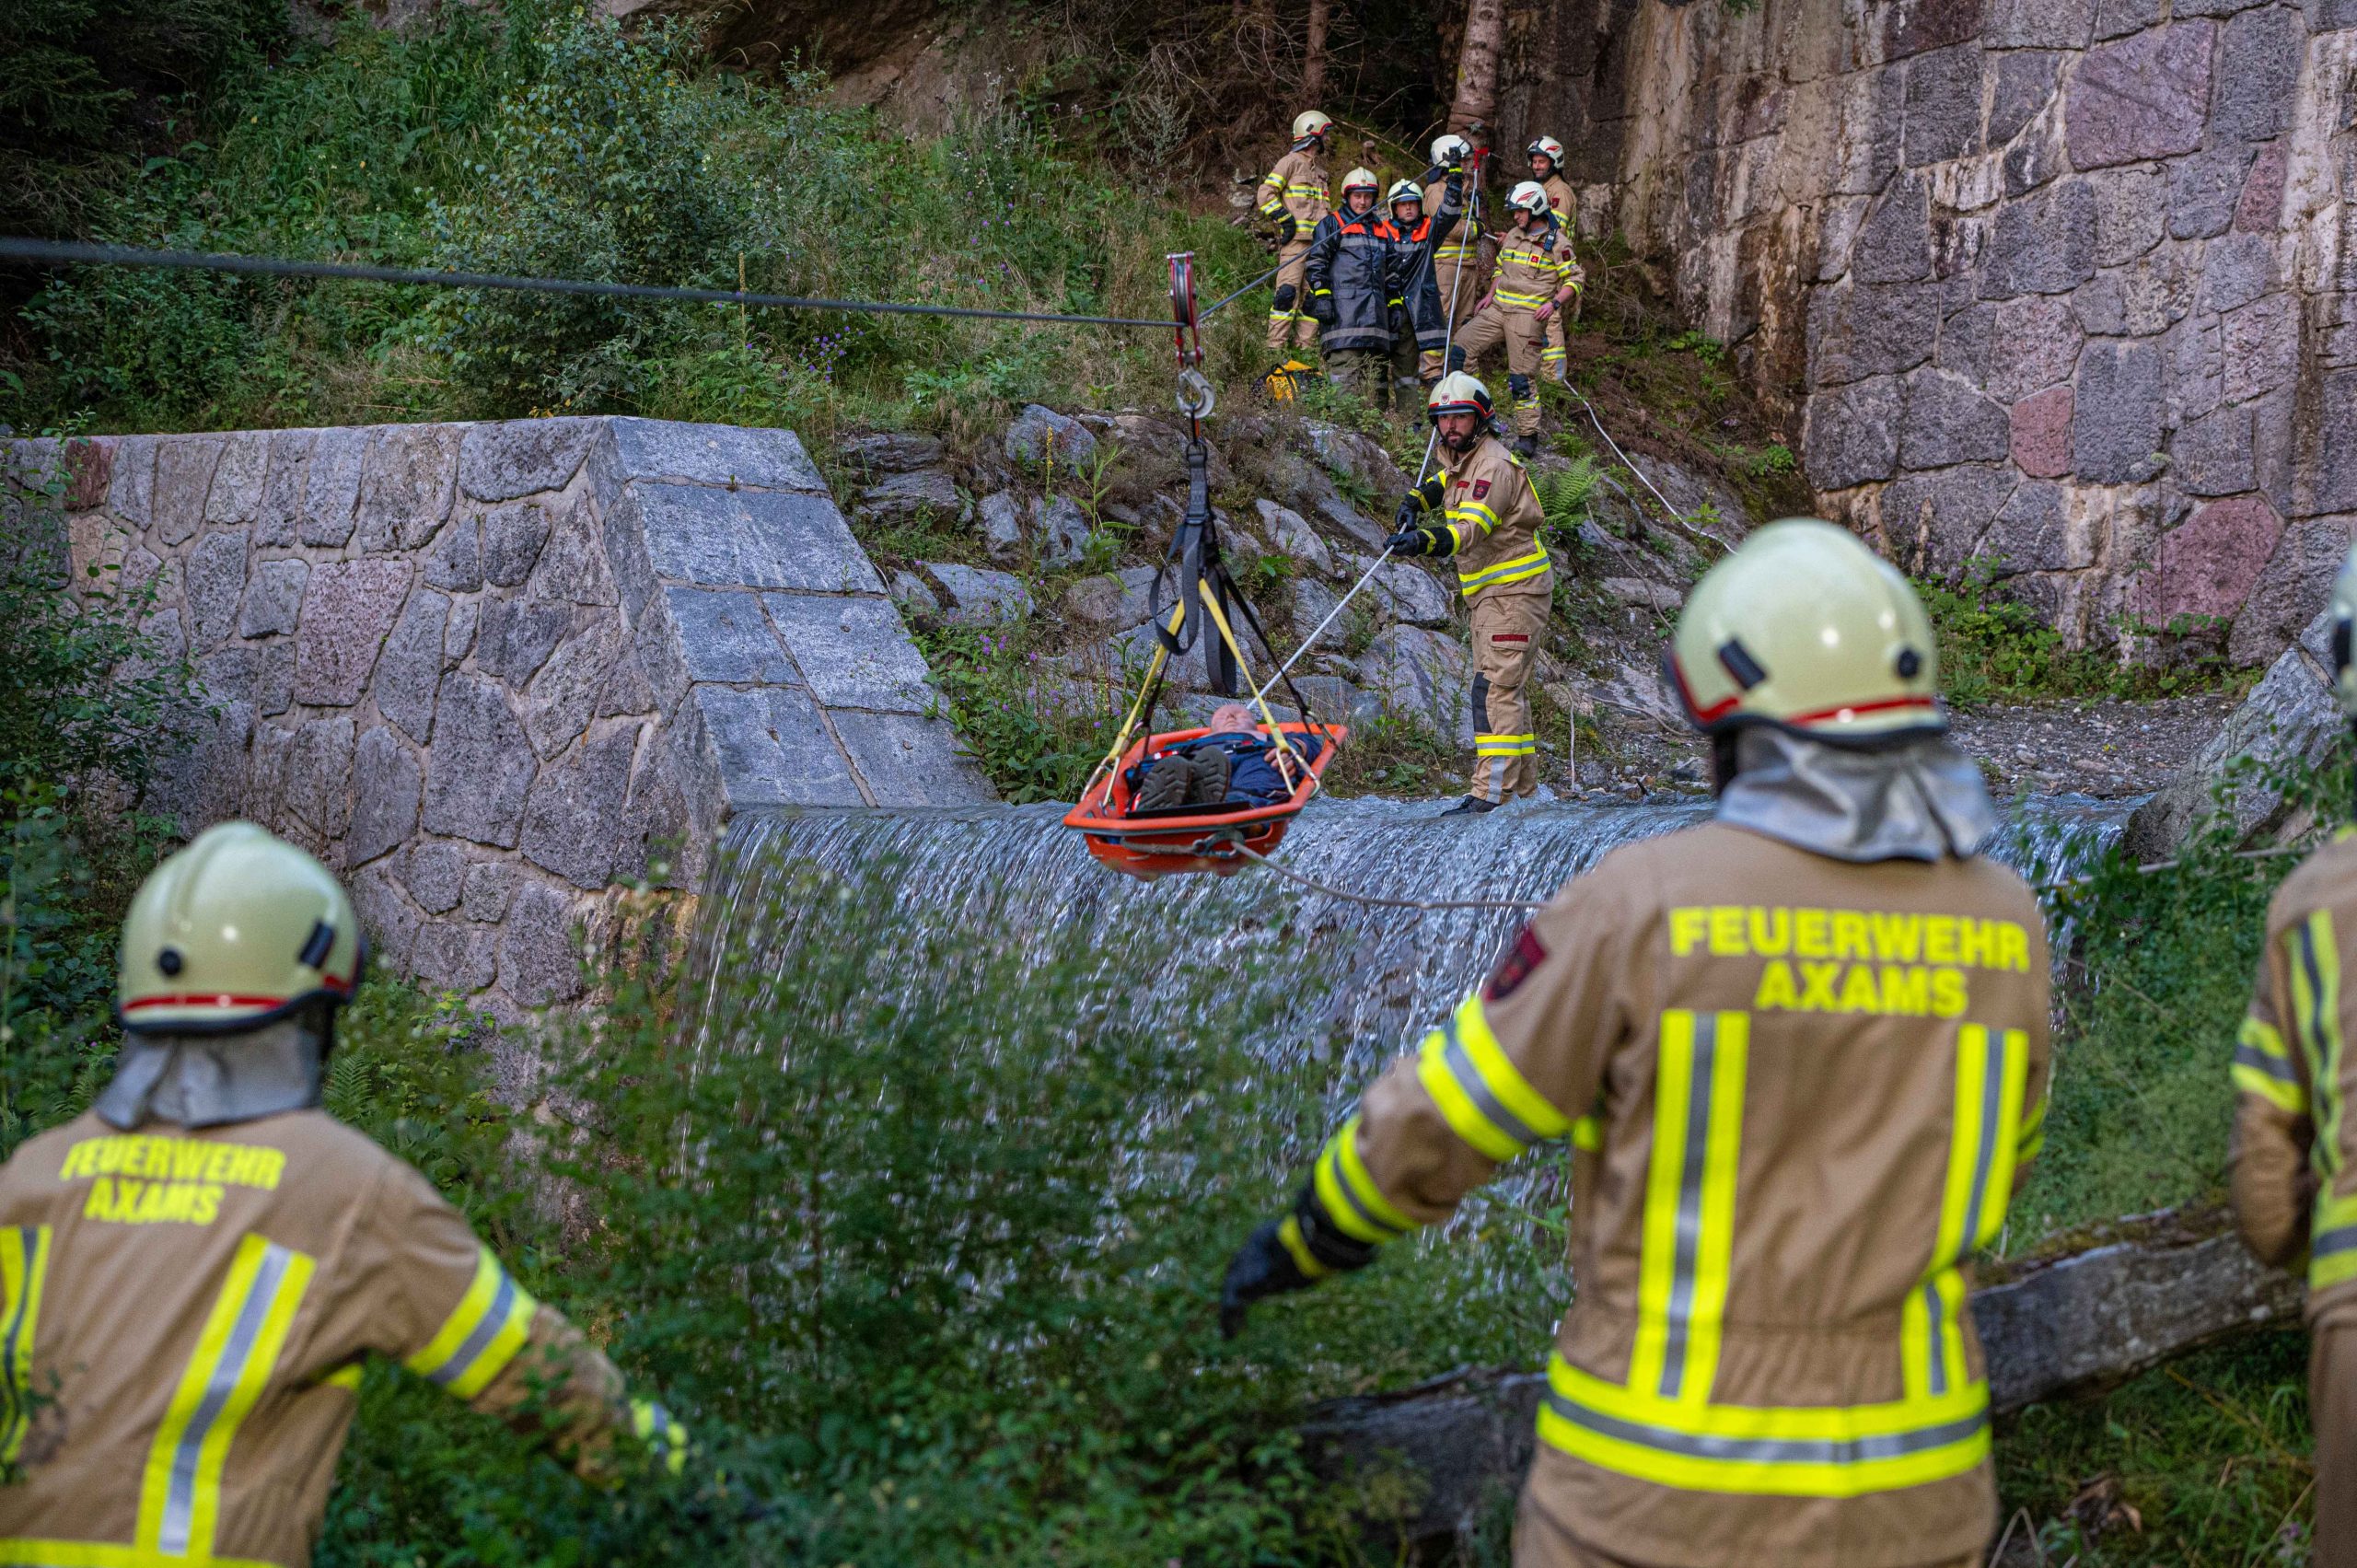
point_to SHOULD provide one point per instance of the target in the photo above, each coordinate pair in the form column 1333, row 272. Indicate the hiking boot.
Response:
column 1471, row 806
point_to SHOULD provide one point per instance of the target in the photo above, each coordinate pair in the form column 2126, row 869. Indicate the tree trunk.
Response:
column 1313, row 59
column 1475, row 109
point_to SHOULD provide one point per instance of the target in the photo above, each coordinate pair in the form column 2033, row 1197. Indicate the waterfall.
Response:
column 1371, row 978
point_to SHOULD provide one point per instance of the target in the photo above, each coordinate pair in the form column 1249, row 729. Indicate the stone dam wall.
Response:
column 485, row 671
column 2063, row 283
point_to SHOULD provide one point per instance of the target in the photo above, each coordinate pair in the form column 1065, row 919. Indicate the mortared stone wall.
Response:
column 481, row 669
column 2064, row 285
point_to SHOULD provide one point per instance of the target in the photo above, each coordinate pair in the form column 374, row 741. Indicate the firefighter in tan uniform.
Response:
column 1489, row 519
column 193, row 1273
column 1458, row 261
column 1546, row 157
column 1800, row 1054
column 1536, row 278
column 1294, row 196
column 2293, row 1169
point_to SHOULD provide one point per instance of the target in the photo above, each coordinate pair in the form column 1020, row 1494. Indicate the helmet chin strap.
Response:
column 216, row 1080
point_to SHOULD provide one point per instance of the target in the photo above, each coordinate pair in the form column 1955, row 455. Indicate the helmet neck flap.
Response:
column 1913, row 798
column 212, row 1080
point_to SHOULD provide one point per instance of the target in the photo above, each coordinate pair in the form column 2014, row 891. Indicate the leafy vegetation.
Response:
column 1993, row 648
column 1035, row 733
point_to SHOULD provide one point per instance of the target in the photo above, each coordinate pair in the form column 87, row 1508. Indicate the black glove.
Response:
column 1411, row 515
column 1398, row 322
column 1265, row 1266
column 1321, row 307
column 1420, row 541
column 1286, row 293
column 1287, row 226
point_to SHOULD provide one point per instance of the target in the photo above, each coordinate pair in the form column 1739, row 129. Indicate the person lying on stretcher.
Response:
column 1232, row 766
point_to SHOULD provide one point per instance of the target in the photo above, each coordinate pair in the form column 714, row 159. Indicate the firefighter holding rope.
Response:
column 1481, row 509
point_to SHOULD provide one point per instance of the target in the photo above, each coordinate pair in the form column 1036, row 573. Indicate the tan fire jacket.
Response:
column 1297, row 185
column 2293, row 1186
column 1535, row 269
column 1800, row 1092
column 1566, row 206
column 1494, row 516
column 1466, row 242
column 183, row 1317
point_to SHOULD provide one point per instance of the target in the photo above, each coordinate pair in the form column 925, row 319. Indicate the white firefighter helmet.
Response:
column 2344, row 628
column 1404, row 190
column 1310, row 122
column 1806, row 629
column 1529, row 197
column 1361, row 180
column 1459, row 393
column 1451, row 148
column 1548, row 148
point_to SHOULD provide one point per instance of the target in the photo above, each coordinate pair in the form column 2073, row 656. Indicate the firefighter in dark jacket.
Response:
column 1418, row 346
column 1352, row 290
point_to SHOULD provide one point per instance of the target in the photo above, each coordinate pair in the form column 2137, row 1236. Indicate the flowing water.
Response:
column 1369, row 978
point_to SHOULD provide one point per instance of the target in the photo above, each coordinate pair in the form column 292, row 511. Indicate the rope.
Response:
column 1597, row 420
column 1311, row 641
column 57, row 252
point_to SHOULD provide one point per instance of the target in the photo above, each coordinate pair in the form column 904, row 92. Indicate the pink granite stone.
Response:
column 2041, row 443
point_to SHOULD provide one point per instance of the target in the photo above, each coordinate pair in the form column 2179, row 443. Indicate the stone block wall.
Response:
column 2062, row 283
column 481, row 669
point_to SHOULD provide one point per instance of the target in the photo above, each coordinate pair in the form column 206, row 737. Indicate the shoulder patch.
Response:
column 1480, row 488
column 1526, row 954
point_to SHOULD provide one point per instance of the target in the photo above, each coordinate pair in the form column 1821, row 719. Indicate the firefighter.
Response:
column 1489, row 519
column 1351, row 277
column 1546, row 156
column 193, row 1271
column 1464, row 251
column 1537, row 277
column 1800, row 1056
column 2291, row 1175
column 1293, row 197
column 1419, row 339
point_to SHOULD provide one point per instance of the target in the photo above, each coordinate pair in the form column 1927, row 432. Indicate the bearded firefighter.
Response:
column 2294, row 1166
column 1294, row 196
column 1537, row 277
column 1800, row 1055
column 1546, row 156
column 1480, row 509
column 194, row 1272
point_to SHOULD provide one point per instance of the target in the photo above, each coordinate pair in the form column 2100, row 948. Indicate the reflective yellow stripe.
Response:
column 1477, row 512
column 1514, row 571
column 22, row 1552
column 482, row 1335
column 1820, row 1451
column 179, row 1498
column 24, row 1269
column 2032, row 1136
column 1347, row 1192
column 1983, row 1144
column 346, row 1377
column 2264, row 1068
column 1505, row 745
column 1587, row 1133
column 2332, row 1247
column 1689, row 1234
column 1480, row 1090
column 1289, row 1234
column 2316, row 1012
column 1528, row 301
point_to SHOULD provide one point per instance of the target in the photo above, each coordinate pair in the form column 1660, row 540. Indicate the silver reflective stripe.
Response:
column 1935, row 1343
column 1349, row 1195
column 2341, row 1238
column 494, row 1318
column 1469, row 1078
column 179, row 1498
column 1993, row 1107
column 2273, row 1066
column 1689, row 1203
column 1770, row 1450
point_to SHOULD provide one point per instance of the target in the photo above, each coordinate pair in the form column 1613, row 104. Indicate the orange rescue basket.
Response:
column 1192, row 838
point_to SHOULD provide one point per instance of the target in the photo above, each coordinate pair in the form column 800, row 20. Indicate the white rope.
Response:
column 1597, row 420
column 1311, row 641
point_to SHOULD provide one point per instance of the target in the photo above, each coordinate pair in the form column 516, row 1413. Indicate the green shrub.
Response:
column 1995, row 649
column 1035, row 740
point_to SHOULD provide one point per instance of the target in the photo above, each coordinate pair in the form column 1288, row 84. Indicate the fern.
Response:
column 1563, row 494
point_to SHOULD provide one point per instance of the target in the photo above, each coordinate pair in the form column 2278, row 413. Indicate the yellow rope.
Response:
column 1260, row 698
column 1129, row 725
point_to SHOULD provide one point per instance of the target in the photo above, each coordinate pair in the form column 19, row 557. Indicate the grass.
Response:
column 1994, row 649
